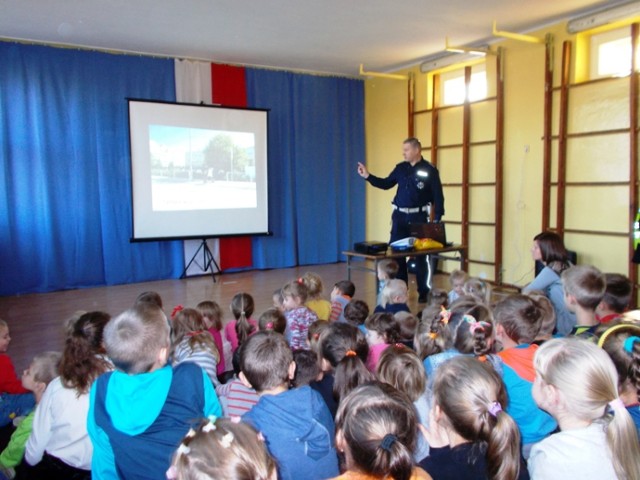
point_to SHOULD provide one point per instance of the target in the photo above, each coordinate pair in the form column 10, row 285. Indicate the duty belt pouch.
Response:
column 434, row 231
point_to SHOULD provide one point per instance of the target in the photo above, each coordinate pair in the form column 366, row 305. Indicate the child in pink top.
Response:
column 212, row 316
column 238, row 330
column 382, row 330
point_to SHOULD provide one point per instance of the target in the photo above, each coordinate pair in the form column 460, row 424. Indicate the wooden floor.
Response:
column 37, row 321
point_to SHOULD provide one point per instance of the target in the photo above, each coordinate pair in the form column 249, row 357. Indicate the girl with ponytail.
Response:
column 577, row 383
column 376, row 430
column 621, row 340
column 470, row 435
column 343, row 352
column 238, row 330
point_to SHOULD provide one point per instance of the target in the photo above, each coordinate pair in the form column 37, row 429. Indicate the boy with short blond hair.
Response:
column 139, row 413
column 296, row 424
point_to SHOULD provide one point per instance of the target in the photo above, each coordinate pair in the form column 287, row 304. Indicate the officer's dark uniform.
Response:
column 418, row 186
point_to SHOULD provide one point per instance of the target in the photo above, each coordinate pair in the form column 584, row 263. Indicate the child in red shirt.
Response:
column 15, row 400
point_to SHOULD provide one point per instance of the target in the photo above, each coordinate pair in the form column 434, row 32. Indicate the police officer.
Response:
column 419, row 188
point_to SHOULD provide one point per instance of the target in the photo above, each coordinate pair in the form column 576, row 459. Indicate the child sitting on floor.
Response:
column 140, row 412
column 401, row 368
column 59, row 445
column 457, row 279
column 296, row 424
column 382, row 331
column 315, row 302
column 238, row 330
column 355, row 313
column 393, row 298
column 617, row 297
column 15, row 400
column 236, row 399
column 212, row 316
column 621, row 340
column 272, row 320
column 470, row 434
column 298, row 316
column 584, row 287
column 577, row 383
column 342, row 293
column 343, row 352
column 220, row 448
column 43, row 369
column 192, row 343
column 517, row 320
column 376, row 428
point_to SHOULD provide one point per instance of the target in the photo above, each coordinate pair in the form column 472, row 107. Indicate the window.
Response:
column 453, row 88
column 610, row 53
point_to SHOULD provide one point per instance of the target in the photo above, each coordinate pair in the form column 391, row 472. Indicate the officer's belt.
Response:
column 410, row 210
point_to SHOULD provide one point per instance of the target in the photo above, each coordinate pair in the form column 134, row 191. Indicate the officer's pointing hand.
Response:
column 362, row 170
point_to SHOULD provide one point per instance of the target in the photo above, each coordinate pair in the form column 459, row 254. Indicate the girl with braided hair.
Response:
column 621, row 340
column 470, row 434
column 222, row 448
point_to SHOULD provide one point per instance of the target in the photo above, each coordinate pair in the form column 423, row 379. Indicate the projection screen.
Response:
column 197, row 171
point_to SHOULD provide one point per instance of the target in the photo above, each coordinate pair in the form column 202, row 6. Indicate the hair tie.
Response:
column 616, row 404
column 482, row 358
column 350, row 353
column 226, row 440
column 300, row 280
column 476, row 326
column 399, row 345
column 495, row 408
column 172, row 473
column 176, row 309
column 316, row 336
column 243, row 313
column 388, row 441
column 269, row 325
column 628, row 344
column 433, row 335
column 615, row 328
column 194, row 333
column 183, row 449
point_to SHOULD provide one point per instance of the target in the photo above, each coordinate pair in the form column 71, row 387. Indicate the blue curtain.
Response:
column 316, row 138
column 65, row 216
column 65, row 213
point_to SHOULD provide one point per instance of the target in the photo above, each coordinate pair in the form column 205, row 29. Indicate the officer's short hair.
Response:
column 414, row 142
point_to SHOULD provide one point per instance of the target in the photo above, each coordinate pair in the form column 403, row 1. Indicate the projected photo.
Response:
column 199, row 169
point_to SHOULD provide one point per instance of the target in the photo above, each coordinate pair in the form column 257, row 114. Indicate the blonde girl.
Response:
column 191, row 342
column 470, row 434
column 321, row 306
column 577, row 383
column 401, row 368
column 222, row 448
column 238, row 330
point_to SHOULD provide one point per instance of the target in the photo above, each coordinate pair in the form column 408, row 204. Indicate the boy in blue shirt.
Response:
column 296, row 424
column 139, row 413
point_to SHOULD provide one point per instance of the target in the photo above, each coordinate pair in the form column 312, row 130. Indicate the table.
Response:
column 461, row 251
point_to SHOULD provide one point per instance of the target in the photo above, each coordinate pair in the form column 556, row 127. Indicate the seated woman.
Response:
column 549, row 249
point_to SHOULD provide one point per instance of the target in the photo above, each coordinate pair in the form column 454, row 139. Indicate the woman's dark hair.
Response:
column 552, row 251
column 81, row 360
